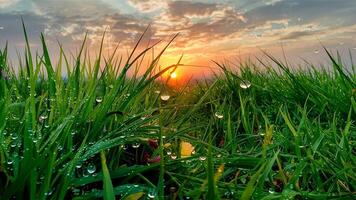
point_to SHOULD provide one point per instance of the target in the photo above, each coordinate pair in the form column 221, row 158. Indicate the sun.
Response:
column 173, row 75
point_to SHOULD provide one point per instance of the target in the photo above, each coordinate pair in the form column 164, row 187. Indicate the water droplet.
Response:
column 202, row 158
column 169, row 153
column 151, row 195
column 173, row 156
column 271, row 190
column 245, row 84
column 99, row 100
column 157, row 91
column 136, row 145
column 9, row 162
column 85, row 173
column 316, row 51
column 219, row 115
column 43, row 117
column 91, row 168
column 165, row 97
column 301, row 146
column 173, row 189
column 124, row 146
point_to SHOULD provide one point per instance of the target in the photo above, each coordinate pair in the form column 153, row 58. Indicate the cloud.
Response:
column 207, row 28
column 7, row 3
column 198, row 22
column 148, row 5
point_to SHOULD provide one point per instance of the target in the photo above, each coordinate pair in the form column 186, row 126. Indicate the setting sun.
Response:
column 173, row 75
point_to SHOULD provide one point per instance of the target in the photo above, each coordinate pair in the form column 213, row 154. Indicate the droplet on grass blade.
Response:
column 136, row 145
column 91, row 168
column 43, row 117
column 245, row 84
column 165, row 97
column 173, row 156
column 271, row 190
column 219, row 115
column 202, row 158
column 99, row 100
column 78, row 166
column 151, row 195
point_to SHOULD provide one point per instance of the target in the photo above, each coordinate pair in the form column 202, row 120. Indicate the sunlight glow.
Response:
column 173, row 75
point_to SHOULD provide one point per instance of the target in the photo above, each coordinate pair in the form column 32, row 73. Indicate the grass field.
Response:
column 275, row 133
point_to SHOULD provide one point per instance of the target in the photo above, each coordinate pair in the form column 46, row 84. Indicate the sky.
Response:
column 224, row 30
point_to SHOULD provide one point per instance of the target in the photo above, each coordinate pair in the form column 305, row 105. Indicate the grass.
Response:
column 275, row 133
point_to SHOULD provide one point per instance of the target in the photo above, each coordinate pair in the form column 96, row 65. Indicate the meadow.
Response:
column 264, row 130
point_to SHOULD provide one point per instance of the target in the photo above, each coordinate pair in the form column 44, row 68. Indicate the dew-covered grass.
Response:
column 274, row 133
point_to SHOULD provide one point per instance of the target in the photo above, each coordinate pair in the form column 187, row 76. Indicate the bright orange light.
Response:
column 173, row 75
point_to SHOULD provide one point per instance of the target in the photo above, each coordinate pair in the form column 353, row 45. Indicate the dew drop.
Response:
column 271, row 190
column 151, row 195
column 136, row 145
column 245, row 84
column 172, row 189
column 43, row 117
column 219, row 115
column 173, row 156
column 99, row 100
column 85, row 173
column 91, row 168
column 316, row 51
column 165, row 97
column 202, row 158
column 124, row 146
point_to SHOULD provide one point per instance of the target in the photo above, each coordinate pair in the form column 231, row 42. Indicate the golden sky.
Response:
column 222, row 30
